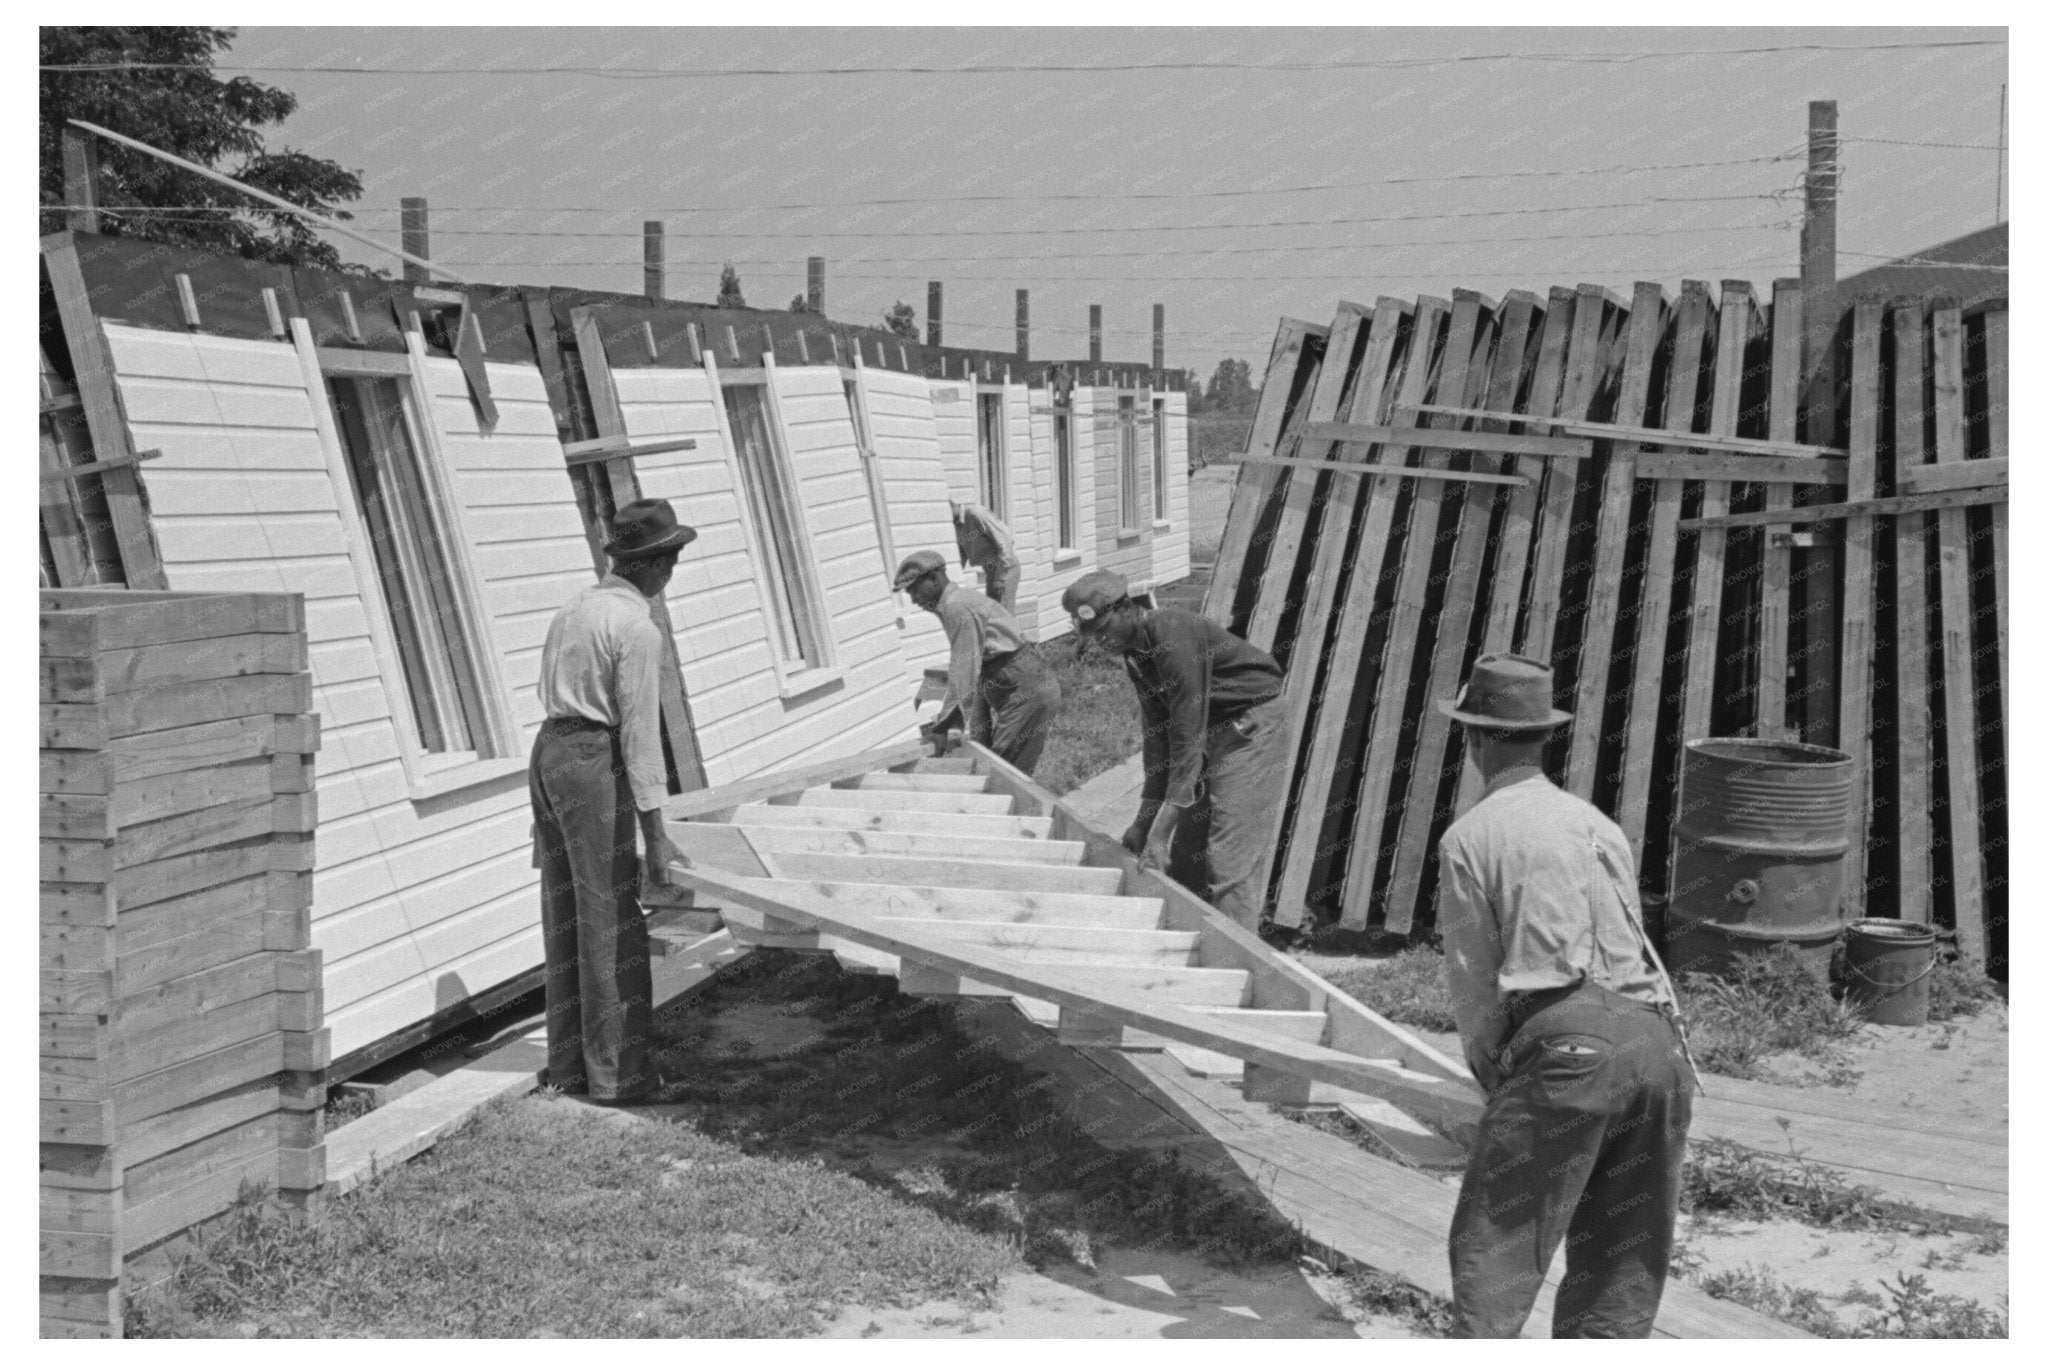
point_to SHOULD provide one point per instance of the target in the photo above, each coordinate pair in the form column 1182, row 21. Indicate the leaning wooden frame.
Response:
column 962, row 876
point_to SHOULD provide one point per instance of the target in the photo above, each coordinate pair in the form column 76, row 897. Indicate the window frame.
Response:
column 428, row 773
column 1130, row 489
column 1162, row 465
column 1066, row 483
column 992, row 465
column 802, row 675
column 854, row 381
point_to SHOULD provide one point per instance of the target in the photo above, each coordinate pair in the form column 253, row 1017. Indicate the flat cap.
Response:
column 916, row 566
column 1091, row 595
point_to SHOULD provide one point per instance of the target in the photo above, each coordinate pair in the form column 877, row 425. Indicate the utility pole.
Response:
column 412, row 232
column 652, row 269
column 1023, row 324
column 1999, row 213
column 81, row 181
column 1095, row 333
column 934, row 313
column 814, row 284
column 1817, row 349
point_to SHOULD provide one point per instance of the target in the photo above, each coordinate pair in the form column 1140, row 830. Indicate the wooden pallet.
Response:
column 181, row 1044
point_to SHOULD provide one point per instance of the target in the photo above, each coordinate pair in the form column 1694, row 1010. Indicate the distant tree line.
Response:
column 1230, row 390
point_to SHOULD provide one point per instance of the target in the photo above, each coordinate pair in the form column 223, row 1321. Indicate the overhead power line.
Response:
column 1039, row 68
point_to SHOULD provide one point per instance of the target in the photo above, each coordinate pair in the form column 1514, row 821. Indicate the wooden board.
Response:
column 1912, row 660
column 1256, row 482
column 1859, row 587
column 96, row 725
column 917, row 845
column 948, row 872
column 1305, row 685
column 1959, row 680
column 1647, row 324
column 822, row 817
column 731, row 795
column 1302, row 502
column 1703, row 621
column 934, row 803
column 1774, row 614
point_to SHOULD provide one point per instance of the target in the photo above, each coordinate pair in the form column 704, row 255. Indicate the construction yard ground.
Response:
column 851, row 1162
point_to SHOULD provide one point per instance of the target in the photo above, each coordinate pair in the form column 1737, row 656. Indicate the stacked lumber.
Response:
column 182, row 1050
column 1621, row 487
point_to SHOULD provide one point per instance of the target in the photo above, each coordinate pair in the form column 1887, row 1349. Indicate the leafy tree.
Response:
column 1230, row 388
column 729, row 295
column 800, row 304
column 902, row 320
column 183, row 108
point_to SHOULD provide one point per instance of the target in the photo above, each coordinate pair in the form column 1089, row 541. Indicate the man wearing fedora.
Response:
column 995, row 680
column 1215, row 737
column 1569, row 1023
column 597, row 772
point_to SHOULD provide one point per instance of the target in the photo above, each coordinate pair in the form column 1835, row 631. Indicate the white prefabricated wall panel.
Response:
column 953, row 411
column 417, row 904
column 1170, row 542
column 1059, row 569
column 1126, row 552
column 914, row 489
column 1027, row 528
column 744, row 725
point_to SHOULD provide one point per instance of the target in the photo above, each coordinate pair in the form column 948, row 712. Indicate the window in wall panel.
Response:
column 988, row 443
column 408, row 537
column 871, row 467
column 796, row 606
column 1069, row 489
column 1159, row 459
column 1127, row 462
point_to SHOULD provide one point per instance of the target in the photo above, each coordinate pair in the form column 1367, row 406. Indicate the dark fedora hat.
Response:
column 1506, row 692
column 647, row 526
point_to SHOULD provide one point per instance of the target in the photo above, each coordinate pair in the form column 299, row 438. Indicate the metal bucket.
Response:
column 1889, row 963
column 1757, row 852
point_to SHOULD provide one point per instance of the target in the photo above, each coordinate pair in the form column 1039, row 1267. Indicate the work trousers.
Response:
column 1019, row 700
column 1224, row 843
column 600, row 1013
column 999, row 581
column 1584, row 1143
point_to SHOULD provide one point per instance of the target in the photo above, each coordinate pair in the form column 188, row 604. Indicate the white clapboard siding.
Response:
column 1127, row 553
column 416, row 904
column 914, row 489
column 953, row 411
column 1170, row 542
column 744, row 725
column 1061, row 567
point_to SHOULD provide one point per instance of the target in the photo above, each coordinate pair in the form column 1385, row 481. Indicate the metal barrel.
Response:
column 1757, row 851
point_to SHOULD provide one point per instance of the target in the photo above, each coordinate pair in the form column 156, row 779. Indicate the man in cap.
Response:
column 1569, row 1023
column 986, row 544
column 1215, row 737
column 597, row 771
column 996, row 679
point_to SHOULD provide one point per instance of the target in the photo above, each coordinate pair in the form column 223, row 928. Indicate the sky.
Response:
column 1211, row 170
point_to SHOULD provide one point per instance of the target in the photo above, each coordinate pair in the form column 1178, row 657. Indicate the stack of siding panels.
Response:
column 1600, row 498
column 181, row 1040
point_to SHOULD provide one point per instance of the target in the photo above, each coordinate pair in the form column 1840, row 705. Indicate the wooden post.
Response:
column 652, row 281
column 814, row 287
column 1158, row 336
column 1095, row 333
column 1817, row 301
column 81, row 181
column 934, row 313
column 412, row 229
column 1024, row 324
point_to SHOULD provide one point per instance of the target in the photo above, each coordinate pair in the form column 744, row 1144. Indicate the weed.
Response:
column 1377, row 1292
column 1917, row 1311
column 1409, row 988
column 1857, row 1294
column 1724, row 1178
column 1952, row 1259
column 1098, row 721
column 1914, row 1310
column 1770, row 1002
column 1758, row 1289
column 1991, row 1242
column 347, row 1105
column 1955, row 990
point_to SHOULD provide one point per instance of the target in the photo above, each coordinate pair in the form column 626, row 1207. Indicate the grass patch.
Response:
column 1956, row 990
column 1770, row 1002
column 1408, row 988
column 890, row 1087
column 1098, row 721
column 546, row 1218
column 1390, row 1296
column 1910, row 1309
column 1738, row 1182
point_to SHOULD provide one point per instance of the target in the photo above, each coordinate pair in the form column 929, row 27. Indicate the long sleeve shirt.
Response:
column 1190, row 674
column 978, row 630
column 983, row 540
column 1536, row 889
column 602, row 661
